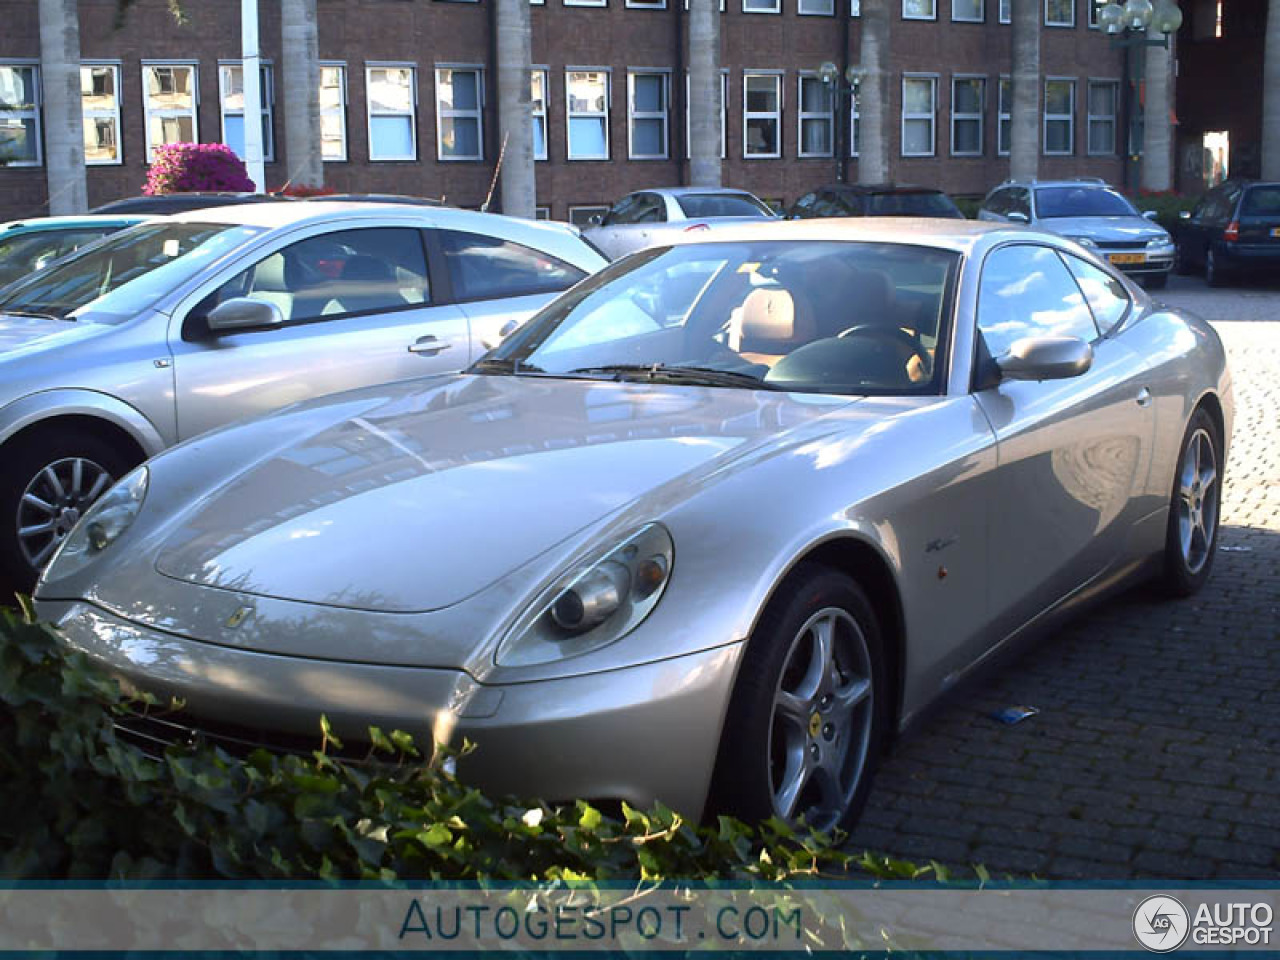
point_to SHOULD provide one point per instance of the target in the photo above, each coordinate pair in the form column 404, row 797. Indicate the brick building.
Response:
column 406, row 104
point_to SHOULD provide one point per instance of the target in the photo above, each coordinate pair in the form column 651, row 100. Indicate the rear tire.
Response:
column 1191, row 538
column 48, row 481
column 1215, row 274
column 1181, row 266
column 809, row 716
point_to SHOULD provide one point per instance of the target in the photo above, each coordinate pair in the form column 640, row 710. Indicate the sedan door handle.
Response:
column 428, row 346
column 1144, row 397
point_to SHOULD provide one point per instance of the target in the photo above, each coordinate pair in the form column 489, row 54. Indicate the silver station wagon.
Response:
column 179, row 325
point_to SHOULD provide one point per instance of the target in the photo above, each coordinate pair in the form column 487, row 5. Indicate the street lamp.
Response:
column 837, row 90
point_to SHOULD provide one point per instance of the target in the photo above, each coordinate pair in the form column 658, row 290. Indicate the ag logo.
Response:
column 1161, row 923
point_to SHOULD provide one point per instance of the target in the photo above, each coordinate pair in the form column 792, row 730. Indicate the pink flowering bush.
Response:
column 192, row 167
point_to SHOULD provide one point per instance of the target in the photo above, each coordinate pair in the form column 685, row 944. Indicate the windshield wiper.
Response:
column 695, row 376
column 32, row 313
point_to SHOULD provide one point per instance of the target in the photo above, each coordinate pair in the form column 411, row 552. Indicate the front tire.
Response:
column 48, row 482
column 1181, row 265
column 1191, row 538
column 809, row 716
column 1215, row 274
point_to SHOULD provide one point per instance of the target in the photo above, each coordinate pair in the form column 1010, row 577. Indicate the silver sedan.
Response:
column 648, row 218
column 173, row 327
column 710, row 529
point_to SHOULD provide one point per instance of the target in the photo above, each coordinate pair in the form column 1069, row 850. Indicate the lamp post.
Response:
column 1127, row 26
column 837, row 89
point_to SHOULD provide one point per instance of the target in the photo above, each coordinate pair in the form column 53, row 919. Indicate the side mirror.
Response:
column 241, row 313
column 1045, row 358
column 1017, row 216
column 1149, row 214
column 1184, row 214
column 595, row 220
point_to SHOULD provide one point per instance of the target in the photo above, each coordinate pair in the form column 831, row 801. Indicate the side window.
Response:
column 804, row 206
column 997, row 203
column 1027, row 291
column 650, row 209
column 1020, row 201
column 1105, row 294
column 335, row 274
column 486, row 268
column 624, row 211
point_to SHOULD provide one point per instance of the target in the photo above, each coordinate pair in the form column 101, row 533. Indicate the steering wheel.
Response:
column 897, row 335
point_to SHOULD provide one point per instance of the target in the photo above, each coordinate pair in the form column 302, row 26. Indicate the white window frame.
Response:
column 540, row 144
column 266, row 92
column 1004, row 11
column 829, row 115
column 1060, row 23
column 32, row 114
column 148, row 113
column 477, row 113
column 776, row 115
column 980, row 18
column 932, row 116
column 1092, row 9
column 340, row 110
column 979, row 116
column 1111, row 118
column 724, row 115
column 759, row 6
column 1047, row 117
column 586, row 3
column 855, row 8
column 664, row 73
column 1004, row 82
column 541, row 213
column 112, row 115
column 369, row 67
column 686, row 5
column 570, row 114
column 932, row 15
column 647, row 4
column 828, row 8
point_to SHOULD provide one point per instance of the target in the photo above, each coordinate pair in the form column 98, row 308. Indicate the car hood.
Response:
column 1106, row 229
column 443, row 488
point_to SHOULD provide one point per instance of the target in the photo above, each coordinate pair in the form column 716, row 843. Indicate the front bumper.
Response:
column 640, row 734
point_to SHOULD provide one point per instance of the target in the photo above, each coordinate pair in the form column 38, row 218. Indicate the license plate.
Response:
column 1128, row 258
column 1275, row 231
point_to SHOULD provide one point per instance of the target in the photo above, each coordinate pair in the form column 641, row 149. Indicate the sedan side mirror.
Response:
column 595, row 220
column 1046, row 358
column 242, row 313
column 1017, row 216
column 1149, row 214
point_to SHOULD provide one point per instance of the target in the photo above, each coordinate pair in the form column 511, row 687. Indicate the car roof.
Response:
column 71, row 222
column 1085, row 182
column 960, row 236
column 702, row 191
column 879, row 188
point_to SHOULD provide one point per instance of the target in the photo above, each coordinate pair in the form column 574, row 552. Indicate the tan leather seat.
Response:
column 770, row 324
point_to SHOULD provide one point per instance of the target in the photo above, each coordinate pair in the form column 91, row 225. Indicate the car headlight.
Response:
column 1084, row 241
column 1156, row 242
column 102, row 525
column 595, row 603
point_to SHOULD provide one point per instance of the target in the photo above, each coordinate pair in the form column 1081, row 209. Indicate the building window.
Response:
column 1094, row 7
column 855, row 122
column 231, row 96
column 586, row 3
column 968, row 96
column 724, row 114
column 19, row 116
column 648, row 95
column 542, row 213
column 1060, row 13
column 855, row 8
column 1059, row 116
column 333, row 111
column 919, row 10
column 169, row 99
column 1102, row 117
column 393, row 123
column 538, row 104
column 587, row 104
column 761, row 115
column 459, row 101
column 817, row 118
column 100, row 104
column 919, row 97
column 967, row 11
column 816, row 8
column 648, row 4
column 761, row 6
column 586, row 215
column 1005, row 117
column 1006, row 11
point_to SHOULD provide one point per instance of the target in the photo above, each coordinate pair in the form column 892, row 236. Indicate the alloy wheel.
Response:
column 53, row 503
column 1197, row 500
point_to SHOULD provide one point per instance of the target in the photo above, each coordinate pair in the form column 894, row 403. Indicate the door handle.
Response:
column 1144, row 397
column 428, row 346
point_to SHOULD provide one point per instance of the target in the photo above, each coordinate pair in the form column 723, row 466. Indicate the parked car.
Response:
column 375, row 198
column 691, row 534
column 30, row 245
column 1092, row 214
column 649, row 217
column 1233, row 229
column 166, row 203
column 874, row 200
column 170, row 328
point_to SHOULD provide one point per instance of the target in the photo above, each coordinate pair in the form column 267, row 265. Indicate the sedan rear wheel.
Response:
column 1192, row 535
column 807, row 721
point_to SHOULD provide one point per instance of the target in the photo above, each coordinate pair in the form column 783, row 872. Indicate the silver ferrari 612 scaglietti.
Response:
column 710, row 529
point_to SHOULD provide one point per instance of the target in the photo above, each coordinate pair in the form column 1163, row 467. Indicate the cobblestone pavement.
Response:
column 1157, row 749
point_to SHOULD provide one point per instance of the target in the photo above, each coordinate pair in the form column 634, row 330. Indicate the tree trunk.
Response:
column 1271, row 95
column 1157, row 127
column 515, row 111
column 705, row 108
column 873, row 93
column 1024, row 113
column 63, row 114
column 300, row 41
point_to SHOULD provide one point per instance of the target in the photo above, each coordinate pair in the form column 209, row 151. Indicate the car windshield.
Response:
column 1081, row 202
column 813, row 316
column 125, row 274
column 699, row 205
column 1261, row 202
column 918, row 204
